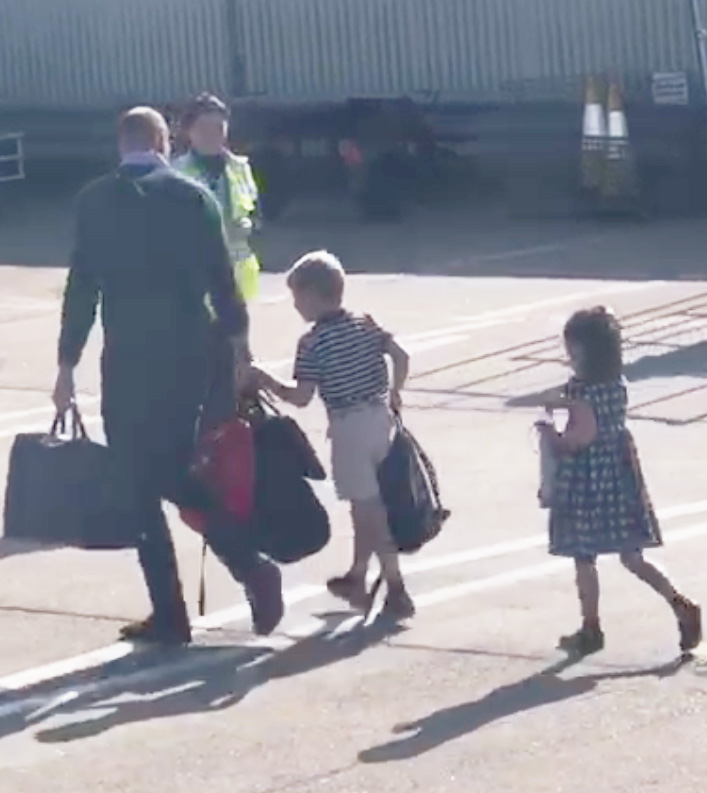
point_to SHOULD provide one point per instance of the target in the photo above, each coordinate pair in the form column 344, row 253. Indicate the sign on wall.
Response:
column 670, row 88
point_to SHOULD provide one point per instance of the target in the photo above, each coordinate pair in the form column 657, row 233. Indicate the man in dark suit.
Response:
column 150, row 247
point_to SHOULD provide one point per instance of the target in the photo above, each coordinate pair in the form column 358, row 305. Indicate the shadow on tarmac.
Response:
column 202, row 679
column 11, row 547
column 209, row 679
column 539, row 690
column 688, row 360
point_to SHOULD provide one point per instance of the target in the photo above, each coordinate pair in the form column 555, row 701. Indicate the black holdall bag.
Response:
column 410, row 491
column 62, row 491
column 290, row 521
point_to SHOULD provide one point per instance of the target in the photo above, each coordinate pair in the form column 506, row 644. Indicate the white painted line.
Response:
column 307, row 630
column 517, row 253
column 218, row 619
column 516, row 576
column 424, row 565
column 115, row 652
column 435, row 344
column 573, row 297
column 424, row 341
column 682, row 510
column 32, row 677
column 467, row 326
column 456, row 591
column 380, row 278
column 495, row 317
column 453, row 333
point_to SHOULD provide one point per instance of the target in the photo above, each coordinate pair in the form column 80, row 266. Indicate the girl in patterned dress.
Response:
column 599, row 501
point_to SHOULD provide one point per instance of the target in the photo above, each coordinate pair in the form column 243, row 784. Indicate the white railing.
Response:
column 12, row 156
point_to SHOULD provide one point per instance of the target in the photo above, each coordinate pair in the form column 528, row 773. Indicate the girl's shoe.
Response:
column 586, row 641
column 689, row 616
column 350, row 588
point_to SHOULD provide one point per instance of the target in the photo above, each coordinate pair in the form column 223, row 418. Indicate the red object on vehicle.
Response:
column 350, row 153
column 225, row 462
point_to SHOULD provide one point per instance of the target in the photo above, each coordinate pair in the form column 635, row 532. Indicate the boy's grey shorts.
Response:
column 360, row 440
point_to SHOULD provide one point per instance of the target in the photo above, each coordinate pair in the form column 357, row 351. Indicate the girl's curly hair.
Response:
column 598, row 333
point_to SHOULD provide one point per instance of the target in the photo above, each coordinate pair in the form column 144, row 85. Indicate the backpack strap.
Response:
column 424, row 459
column 202, row 580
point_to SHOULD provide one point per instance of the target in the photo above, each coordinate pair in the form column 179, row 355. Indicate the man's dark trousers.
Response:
column 151, row 409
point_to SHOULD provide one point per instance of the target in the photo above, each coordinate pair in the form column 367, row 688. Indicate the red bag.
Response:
column 225, row 462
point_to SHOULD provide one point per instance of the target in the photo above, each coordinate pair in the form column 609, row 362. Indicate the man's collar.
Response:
column 152, row 158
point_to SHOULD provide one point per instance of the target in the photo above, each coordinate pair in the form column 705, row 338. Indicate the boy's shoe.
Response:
column 690, row 624
column 352, row 589
column 586, row 641
column 398, row 605
column 151, row 631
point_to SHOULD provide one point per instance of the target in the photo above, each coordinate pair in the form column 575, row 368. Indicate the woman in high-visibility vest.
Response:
column 230, row 179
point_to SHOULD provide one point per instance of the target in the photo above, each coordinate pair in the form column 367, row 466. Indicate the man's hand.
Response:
column 242, row 369
column 247, row 384
column 262, row 379
column 64, row 390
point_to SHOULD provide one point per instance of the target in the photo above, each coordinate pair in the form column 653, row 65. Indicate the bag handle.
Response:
column 258, row 405
column 424, row 459
column 78, row 429
column 267, row 402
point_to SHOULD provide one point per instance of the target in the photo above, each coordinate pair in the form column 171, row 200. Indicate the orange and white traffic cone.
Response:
column 594, row 130
column 619, row 185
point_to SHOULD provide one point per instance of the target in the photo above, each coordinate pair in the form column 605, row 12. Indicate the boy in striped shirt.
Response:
column 343, row 357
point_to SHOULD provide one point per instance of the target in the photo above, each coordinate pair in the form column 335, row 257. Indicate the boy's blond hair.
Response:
column 320, row 272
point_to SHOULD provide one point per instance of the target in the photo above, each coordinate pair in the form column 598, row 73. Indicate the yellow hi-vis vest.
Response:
column 236, row 191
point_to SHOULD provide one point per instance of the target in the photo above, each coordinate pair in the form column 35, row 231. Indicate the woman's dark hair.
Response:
column 201, row 106
column 598, row 333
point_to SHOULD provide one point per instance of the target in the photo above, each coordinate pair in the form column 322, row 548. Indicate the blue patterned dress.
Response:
column 600, row 504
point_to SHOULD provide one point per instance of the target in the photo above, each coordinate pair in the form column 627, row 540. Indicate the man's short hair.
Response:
column 142, row 128
column 202, row 105
column 320, row 272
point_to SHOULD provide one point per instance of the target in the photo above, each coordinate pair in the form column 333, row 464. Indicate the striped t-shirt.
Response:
column 344, row 355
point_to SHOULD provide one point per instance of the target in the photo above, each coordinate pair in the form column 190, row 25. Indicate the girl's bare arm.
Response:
column 580, row 431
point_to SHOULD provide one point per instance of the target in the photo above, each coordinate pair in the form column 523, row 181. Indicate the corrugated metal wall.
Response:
column 94, row 53
column 575, row 37
column 473, row 48
column 76, row 53
column 333, row 47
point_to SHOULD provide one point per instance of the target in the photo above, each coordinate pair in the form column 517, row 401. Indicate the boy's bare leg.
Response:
column 351, row 587
column 371, row 525
column 371, row 529
column 363, row 547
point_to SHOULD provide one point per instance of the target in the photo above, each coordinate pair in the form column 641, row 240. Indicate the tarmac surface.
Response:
column 470, row 695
